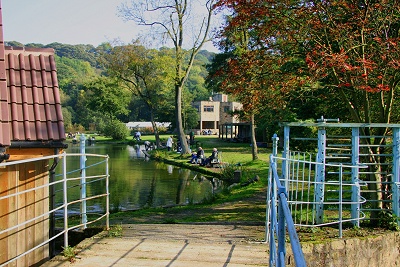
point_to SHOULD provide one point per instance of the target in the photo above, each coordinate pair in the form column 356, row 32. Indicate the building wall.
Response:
column 225, row 109
column 208, row 115
column 214, row 112
column 22, row 207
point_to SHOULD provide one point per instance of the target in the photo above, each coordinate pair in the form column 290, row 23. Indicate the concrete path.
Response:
column 175, row 245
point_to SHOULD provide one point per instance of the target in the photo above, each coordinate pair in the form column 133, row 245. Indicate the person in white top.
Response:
column 169, row 143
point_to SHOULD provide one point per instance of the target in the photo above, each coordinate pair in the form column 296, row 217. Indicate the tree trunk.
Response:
column 254, row 148
column 156, row 133
column 178, row 114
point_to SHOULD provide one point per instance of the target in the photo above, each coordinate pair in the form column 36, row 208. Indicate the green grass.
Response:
column 226, row 206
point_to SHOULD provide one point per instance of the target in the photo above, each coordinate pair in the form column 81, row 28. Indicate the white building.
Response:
column 141, row 125
column 214, row 113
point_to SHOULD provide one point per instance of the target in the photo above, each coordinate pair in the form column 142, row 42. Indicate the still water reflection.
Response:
column 136, row 182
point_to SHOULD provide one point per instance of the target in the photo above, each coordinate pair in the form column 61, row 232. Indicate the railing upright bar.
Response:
column 281, row 227
column 341, row 201
column 355, row 160
column 269, row 201
column 396, row 174
column 82, row 142
column 65, row 200
column 108, row 196
column 268, row 209
column 272, row 246
column 272, row 208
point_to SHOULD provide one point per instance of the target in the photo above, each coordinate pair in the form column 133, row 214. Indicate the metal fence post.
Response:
column 286, row 155
column 275, row 140
column 83, row 180
column 320, row 173
column 281, row 229
column 355, row 189
column 396, row 173
column 65, row 200
column 108, row 196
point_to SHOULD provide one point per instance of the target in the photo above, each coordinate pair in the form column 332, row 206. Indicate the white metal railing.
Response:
column 63, row 181
column 280, row 219
column 306, row 194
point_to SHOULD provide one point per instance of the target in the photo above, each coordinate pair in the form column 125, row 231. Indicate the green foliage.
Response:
column 246, row 174
column 388, row 220
column 191, row 118
column 106, row 96
column 115, row 231
column 228, row 172
column 116, row 130
column 159, row 154
column 73, row 70
column 69, row 253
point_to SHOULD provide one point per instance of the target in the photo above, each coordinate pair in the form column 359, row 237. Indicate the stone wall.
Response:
column 377, row 251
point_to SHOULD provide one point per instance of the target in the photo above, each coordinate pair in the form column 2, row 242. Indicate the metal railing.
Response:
column 299, row 195
column 336, row 200
column 63, row 183
column 280, row 217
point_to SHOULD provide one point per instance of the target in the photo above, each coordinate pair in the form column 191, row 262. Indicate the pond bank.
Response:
column 214, row 172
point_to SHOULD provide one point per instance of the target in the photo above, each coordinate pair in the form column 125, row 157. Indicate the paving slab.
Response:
column 175, row 245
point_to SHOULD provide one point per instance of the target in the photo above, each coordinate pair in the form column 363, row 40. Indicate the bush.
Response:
column 388, row 220
column 116, row 130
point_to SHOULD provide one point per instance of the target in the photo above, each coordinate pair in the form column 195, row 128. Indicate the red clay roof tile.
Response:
column 33, row 95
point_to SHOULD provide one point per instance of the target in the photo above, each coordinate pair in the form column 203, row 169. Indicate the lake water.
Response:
column 137, row 182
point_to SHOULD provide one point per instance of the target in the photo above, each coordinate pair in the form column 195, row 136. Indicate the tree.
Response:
column 107, row 96
column 146, row 73
column 347, row 48
column 173, row 19
column 72, row 74
column 244, row 73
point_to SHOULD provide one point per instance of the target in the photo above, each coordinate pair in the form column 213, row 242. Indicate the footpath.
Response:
column 175, row 245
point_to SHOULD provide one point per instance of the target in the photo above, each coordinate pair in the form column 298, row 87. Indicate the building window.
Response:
column 226, row 109
column 208, row 108
column 197, row 107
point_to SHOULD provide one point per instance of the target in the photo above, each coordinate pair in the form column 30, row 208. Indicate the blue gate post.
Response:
column 271, row 193
column 396, row 173
column 82, row 139
column 285, row 155
column 275, row 140
column 320, row 169
column 355, row 188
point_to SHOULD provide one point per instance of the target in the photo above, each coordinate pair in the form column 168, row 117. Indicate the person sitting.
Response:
column 147, row 145
column 194, row 158
column 214, row 156
column 137, row 136
column 198, row 157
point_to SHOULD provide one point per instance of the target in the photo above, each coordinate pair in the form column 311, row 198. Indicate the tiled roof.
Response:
column 5, row 138
column 30, row 107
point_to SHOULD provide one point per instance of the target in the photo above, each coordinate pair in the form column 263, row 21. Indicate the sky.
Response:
column 68, row 21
